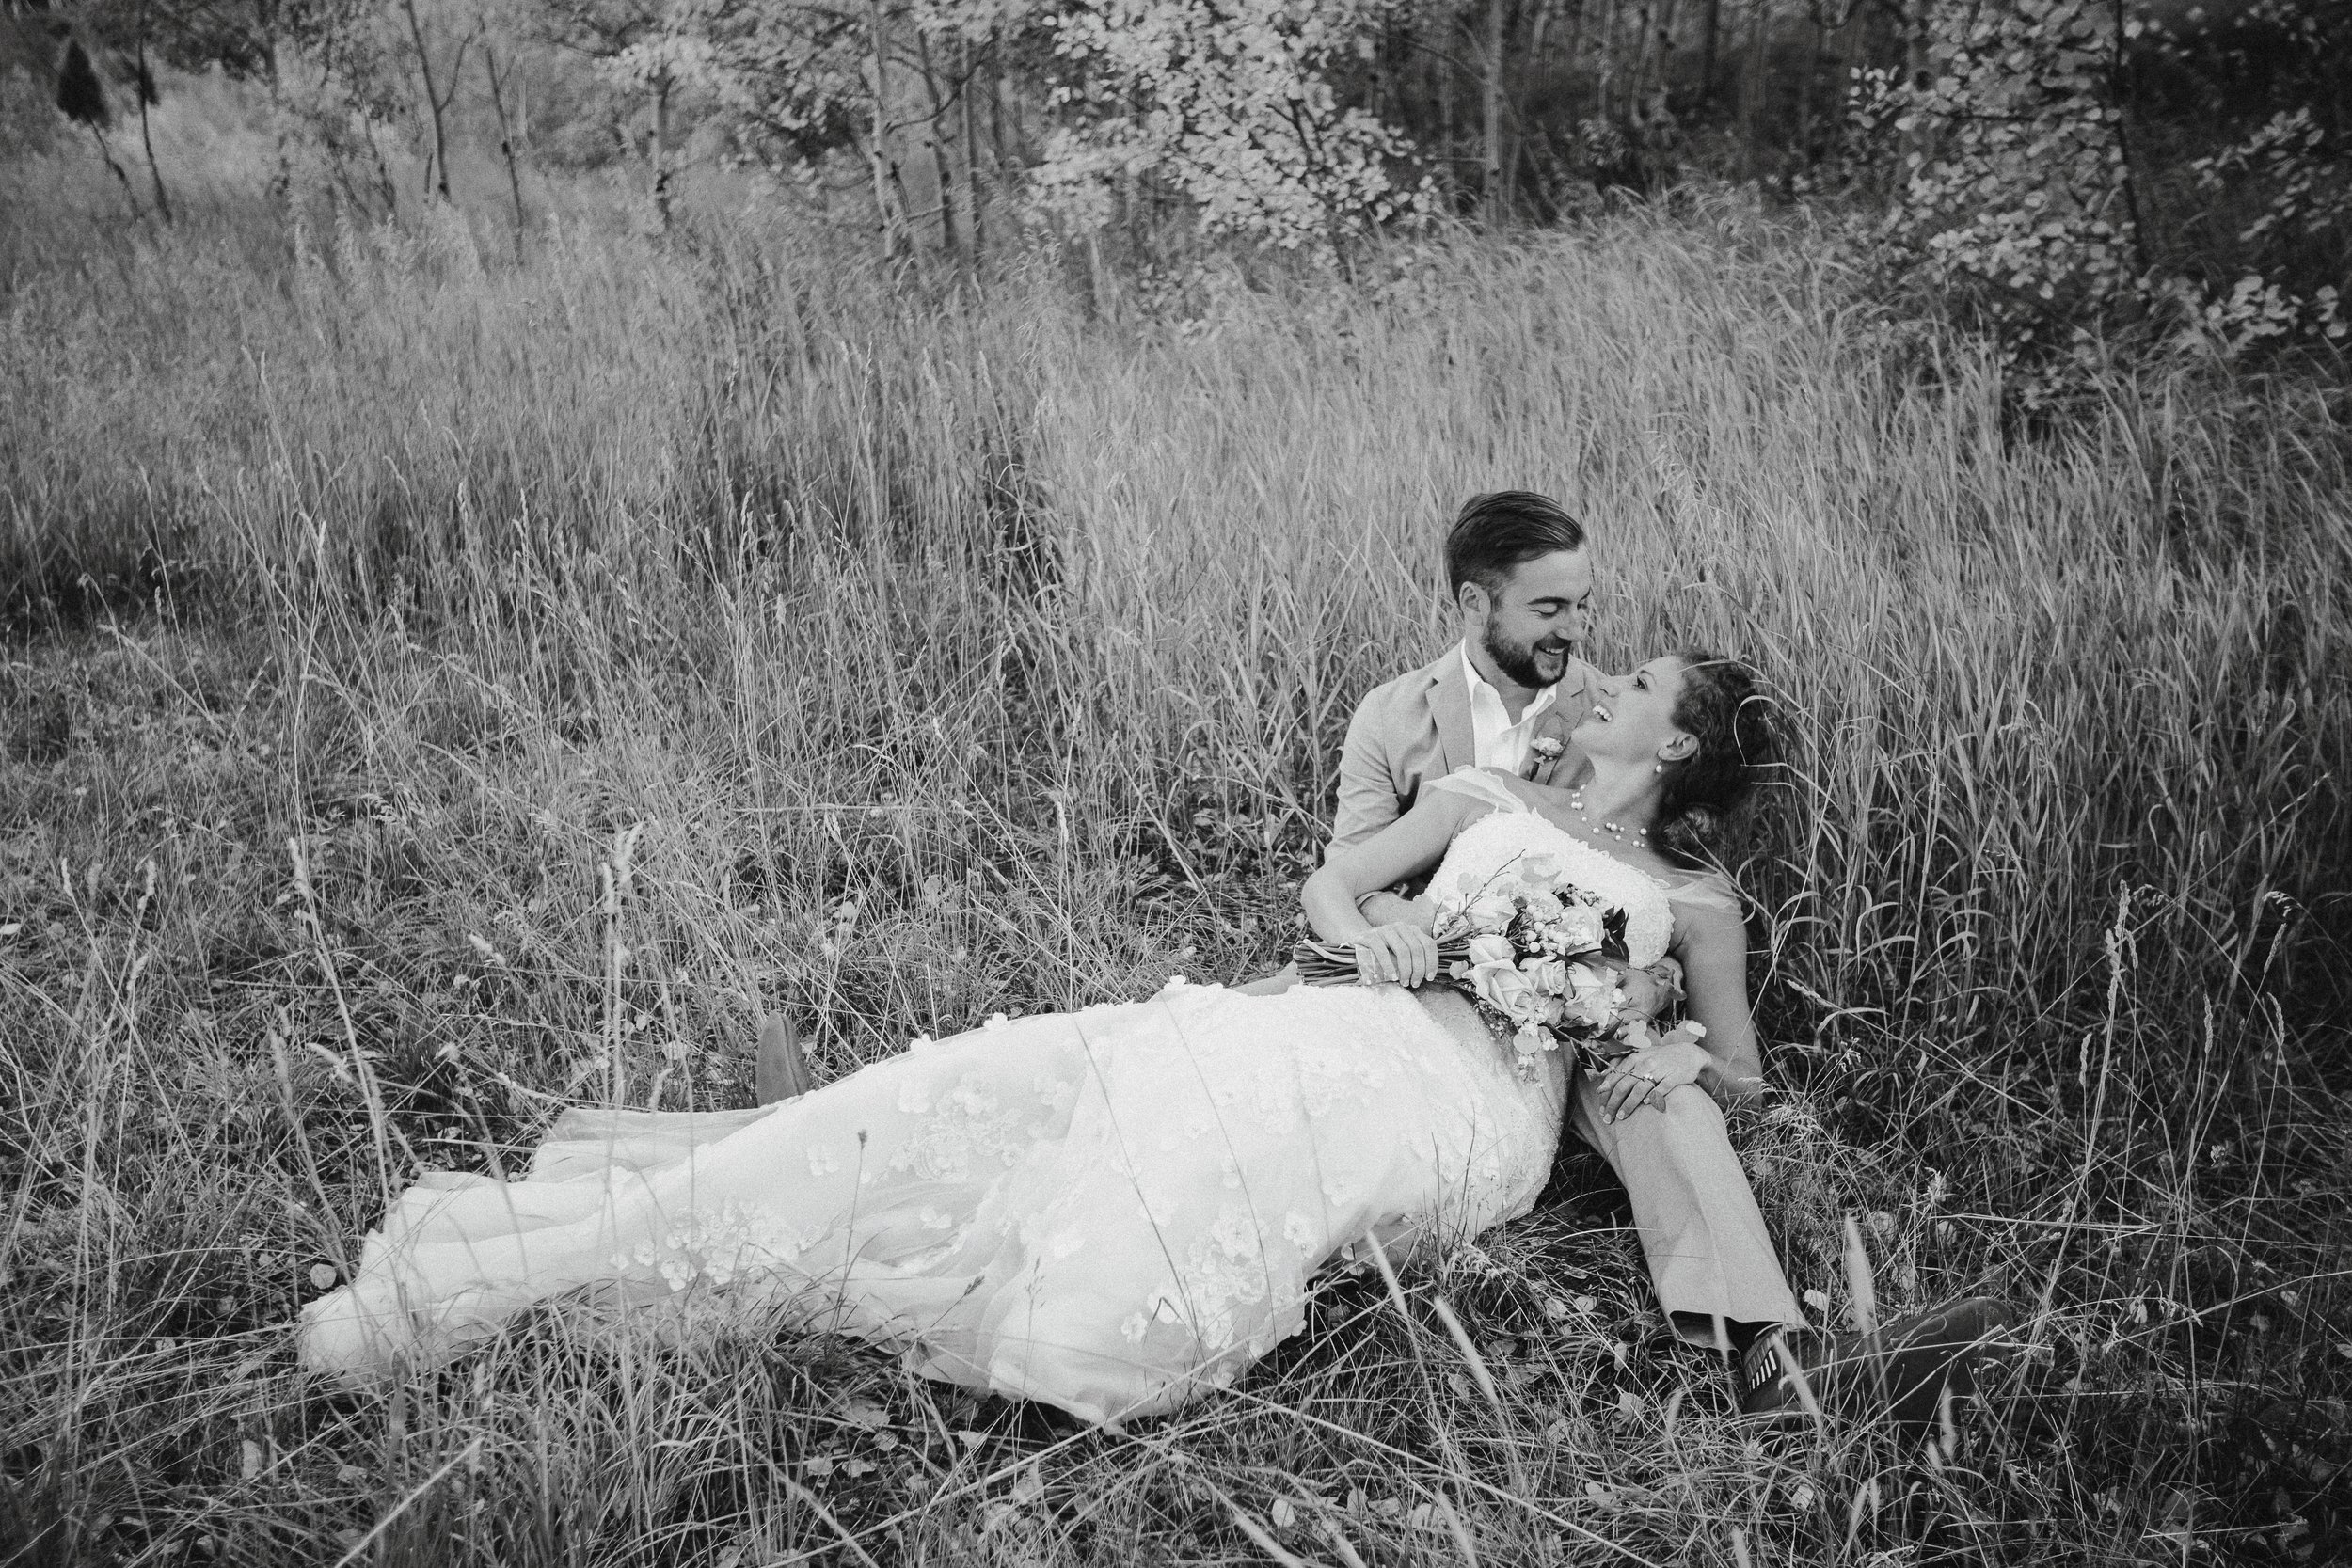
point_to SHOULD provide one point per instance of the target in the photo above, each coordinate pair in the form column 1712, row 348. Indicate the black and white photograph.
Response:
column 1175, row 784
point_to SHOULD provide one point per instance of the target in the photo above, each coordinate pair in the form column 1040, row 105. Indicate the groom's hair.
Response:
column 1498, row 532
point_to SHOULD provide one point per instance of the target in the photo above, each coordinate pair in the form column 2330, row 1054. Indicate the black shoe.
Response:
column 1931, row 1352
column 1901, row 1373
column 1782, row 1367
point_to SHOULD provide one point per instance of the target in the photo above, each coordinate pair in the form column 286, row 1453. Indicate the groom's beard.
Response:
column 1533, row 665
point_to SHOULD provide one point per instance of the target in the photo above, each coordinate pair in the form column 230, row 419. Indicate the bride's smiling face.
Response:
column 1633, row 720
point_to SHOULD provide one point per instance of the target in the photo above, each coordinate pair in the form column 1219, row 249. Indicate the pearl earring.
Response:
column 1658, row 768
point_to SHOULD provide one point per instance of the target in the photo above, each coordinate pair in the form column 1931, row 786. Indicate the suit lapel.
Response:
column 1449, row 703
column 1576, row 697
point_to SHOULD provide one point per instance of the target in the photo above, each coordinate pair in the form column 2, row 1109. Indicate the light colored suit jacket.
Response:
column 1417, row 727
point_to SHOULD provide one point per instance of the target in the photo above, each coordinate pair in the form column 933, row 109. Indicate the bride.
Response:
column 1117, row 1209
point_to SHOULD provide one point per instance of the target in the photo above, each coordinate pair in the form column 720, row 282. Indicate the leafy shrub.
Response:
column 2019, row 191
column 2015, row 191
column 1234, row 106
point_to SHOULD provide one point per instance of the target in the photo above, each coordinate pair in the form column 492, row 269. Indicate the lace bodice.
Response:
column 1514, row 830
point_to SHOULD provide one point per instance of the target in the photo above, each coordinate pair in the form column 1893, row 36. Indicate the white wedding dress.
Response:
column 1112, row 1210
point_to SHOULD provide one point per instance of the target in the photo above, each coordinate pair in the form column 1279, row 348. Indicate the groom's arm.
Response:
column 1369, row 802
column 1368, row 793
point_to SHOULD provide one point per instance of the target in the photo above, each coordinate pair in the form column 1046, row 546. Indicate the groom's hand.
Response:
column 1401, row 952
column 1652, row 991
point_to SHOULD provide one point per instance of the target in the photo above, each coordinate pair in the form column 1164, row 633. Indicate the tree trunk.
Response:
column 997, row 109
column 1605, row 57
column 1443, row 63
column 1708, row 30
column 2124, row 174
column 885, row 172
column 145, row 88
column 439, row 162
column 127, row 193
column 1806, row 84
column 942, row 175
column 1494, row 113
column 281, row 137
column 506, row 140
column 1850, row 33
column 661, row 150
column 971, row 144
column 1752, row 91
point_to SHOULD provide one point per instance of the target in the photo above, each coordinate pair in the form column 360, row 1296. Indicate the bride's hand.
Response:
column 1646, row 1077
column 1400, row 952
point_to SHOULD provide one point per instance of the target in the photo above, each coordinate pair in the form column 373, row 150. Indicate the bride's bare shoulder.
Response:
column 1704, row 900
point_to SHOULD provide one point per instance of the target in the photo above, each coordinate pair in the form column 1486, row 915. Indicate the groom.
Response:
column 1507, row 695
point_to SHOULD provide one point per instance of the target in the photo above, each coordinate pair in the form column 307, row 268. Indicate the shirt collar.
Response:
column 1482, row 693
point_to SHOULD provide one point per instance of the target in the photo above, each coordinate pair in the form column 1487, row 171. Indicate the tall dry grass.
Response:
column 447, row 690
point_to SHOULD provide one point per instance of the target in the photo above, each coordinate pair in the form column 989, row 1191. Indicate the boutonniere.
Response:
column 1542, row 753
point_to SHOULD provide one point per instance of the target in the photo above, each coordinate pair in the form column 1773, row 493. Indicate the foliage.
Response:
column 2022, row 192
column 80, row 97
column 2016, row 187
column 2307, row 174
column 1232, row 103
column 795, row 71
column 1230, row 108
column 2304, row 163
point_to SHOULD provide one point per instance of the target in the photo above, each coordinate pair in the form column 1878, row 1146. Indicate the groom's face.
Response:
column 1534, row 621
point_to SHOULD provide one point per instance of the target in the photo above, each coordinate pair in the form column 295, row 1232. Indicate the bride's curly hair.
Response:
column 1723, row 706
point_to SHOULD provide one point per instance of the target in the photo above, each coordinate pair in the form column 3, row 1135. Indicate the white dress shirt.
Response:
column 1500, row 742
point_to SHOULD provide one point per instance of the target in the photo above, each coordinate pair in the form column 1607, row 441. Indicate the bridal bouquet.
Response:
column 1545, row 961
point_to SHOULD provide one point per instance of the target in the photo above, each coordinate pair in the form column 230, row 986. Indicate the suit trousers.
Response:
column 1702, row 1234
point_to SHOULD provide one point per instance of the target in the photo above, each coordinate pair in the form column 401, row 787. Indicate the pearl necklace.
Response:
column 1576, row 805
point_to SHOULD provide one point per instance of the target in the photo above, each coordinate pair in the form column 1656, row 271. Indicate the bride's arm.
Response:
column 1715, row 976
column 1713, row 947
column 1400, row 950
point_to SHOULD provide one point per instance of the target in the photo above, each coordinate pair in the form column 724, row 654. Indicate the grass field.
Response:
column 442, row 689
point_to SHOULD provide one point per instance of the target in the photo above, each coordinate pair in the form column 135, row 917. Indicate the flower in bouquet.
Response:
column 1547, row 974
column 1581, row 928
column 1504, row 987
column 1490, row 912
column 1491, row 948
column 1591, row 997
